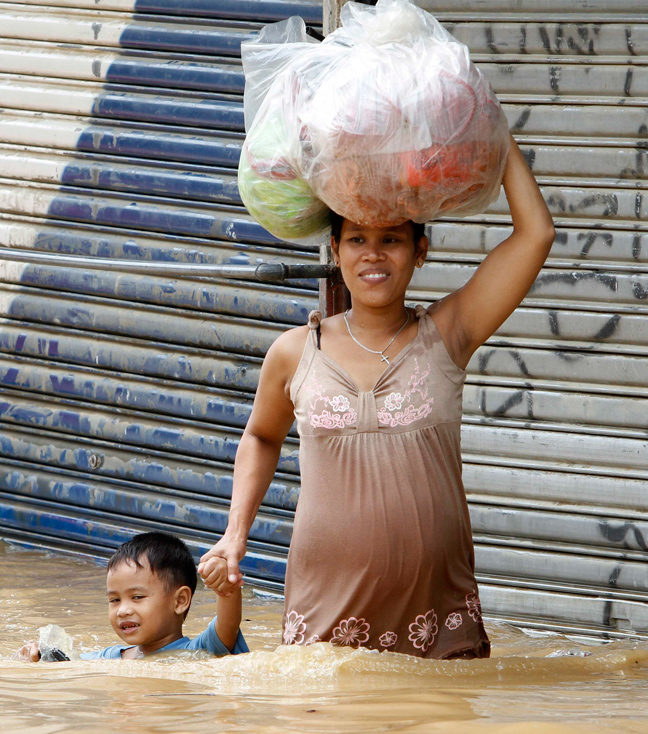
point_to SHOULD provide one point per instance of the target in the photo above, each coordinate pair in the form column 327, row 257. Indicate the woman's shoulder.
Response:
column 286, row 352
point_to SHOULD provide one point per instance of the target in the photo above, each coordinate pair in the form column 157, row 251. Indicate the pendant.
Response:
column 384, row 358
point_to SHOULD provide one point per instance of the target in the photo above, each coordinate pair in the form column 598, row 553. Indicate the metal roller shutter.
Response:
column 119, row 132
column 123, row 395
column 555, row 441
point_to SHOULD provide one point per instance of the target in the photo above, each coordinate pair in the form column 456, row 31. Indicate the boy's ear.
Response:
column 182, row 598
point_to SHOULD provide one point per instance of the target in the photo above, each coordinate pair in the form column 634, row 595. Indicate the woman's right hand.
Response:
column 233, row 550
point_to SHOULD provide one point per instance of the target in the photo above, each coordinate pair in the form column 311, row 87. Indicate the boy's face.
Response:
column 141, row 609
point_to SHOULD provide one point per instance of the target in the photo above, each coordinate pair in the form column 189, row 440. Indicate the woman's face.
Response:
column 377, row 262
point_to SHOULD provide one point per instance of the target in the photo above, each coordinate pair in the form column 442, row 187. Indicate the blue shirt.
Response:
column 207, row 640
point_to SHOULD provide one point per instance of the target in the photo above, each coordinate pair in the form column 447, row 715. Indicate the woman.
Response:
column 382, row 553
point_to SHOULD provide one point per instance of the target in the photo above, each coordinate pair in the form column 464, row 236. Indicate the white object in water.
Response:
column 52, row 637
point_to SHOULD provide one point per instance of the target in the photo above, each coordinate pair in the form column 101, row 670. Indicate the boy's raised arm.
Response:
column 228, row 608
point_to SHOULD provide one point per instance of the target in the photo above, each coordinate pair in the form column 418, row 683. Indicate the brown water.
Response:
column 531, row 684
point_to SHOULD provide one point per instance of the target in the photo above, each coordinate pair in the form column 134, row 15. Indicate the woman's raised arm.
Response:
column 258, row 451
column 470, row 315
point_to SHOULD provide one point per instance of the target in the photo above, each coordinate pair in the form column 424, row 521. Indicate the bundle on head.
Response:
column 386, row 120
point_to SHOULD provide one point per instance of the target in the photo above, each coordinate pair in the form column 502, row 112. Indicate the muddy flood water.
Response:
column 531, row 684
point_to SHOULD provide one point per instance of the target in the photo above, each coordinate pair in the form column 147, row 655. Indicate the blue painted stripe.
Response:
column 203, row 149
column 180, row 400
column 174, row 74
column 132, row 429
column 163, row 505
column 154, row 216
column 139, row 357
column 196, row 39
column 257, row 10
column 113, row 176
column 76, row 457
column 281, row 305
column 212, row 114
column 243, row 336
column 52, row 521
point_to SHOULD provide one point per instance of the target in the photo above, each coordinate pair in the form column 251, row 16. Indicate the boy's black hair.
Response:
column 336, row 221
column 168, row 557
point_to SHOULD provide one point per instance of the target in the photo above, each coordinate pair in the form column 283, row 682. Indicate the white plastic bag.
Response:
column 386, row 120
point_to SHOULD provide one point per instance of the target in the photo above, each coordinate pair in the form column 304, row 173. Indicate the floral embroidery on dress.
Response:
column 294, row 629
column 351, row 631
column 340, row 403
column 453, row 621
column 391, row 414
column 423, row 630
column 313, row 639
column 474, row 606
column 394, row 401
column 342, row 415
column 389, row 639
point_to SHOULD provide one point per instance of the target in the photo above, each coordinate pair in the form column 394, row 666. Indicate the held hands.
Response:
column 219, row 567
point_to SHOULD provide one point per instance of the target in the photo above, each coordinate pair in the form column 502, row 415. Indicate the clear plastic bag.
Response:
column 386, row 120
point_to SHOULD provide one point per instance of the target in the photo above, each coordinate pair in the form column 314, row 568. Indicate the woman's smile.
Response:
column 374, row 275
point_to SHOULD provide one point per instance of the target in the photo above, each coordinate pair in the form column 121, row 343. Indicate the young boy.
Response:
column 150, row 582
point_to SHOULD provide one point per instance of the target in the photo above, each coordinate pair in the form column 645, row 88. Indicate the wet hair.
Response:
column 168, row 557
column 336, row 221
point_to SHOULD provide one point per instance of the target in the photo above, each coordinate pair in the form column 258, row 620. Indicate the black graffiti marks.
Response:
column 523, row 39
column 589, row 238
column 519, row 361
column 608, row 329
column 573, row 278
column 605, row 204
column 544, row 38
column 518, row 397
column 554, row 78
column 553, row 322
column 579, row 38
column 490, row 39
column 630, row 42
column 613, row 579
column 639, row 291
column 561, row 238
column 609, row 202
column 626, row 534
column 485, row 356
column 529, row 156
column 636, row 246
column 628, row 82
column 522, row 120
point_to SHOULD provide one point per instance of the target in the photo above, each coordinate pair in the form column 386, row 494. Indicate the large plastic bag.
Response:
column 386, row 120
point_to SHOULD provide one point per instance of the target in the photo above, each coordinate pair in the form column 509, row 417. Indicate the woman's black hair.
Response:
column 336, row 221
column 168, row 557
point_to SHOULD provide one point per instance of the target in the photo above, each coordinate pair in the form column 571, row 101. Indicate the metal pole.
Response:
column 266, row 272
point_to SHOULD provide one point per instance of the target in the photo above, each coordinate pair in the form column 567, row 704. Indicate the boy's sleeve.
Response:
column 210, row 641
column 107, row 653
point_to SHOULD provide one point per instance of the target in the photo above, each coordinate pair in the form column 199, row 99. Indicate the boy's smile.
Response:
column 142, row 610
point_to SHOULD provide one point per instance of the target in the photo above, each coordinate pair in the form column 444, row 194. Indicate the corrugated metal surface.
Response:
column 556, row 432
column 122, row 396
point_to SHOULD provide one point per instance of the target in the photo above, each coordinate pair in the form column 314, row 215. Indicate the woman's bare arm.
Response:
column 470, row 315
column 259, row 450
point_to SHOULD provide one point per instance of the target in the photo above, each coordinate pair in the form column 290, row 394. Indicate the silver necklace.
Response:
column 381, row 352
